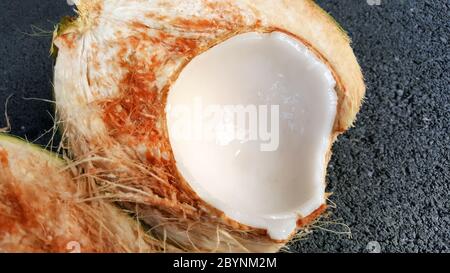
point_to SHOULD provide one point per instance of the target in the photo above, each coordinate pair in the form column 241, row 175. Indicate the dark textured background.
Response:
column 390, row 174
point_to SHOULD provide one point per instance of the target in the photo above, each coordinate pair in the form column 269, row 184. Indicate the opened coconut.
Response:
column 44, row 208
column 213, row 119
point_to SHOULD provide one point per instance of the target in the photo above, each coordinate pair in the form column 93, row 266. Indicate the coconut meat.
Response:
column 249, row 123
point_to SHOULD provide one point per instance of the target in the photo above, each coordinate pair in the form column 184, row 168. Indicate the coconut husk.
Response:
column 44, row 208
column 115, row 64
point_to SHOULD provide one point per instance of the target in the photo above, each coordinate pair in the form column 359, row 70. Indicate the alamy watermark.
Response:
column 225, row 124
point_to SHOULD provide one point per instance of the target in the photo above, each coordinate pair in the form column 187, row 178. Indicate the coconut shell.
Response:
column 43, row 209
column 116, row 62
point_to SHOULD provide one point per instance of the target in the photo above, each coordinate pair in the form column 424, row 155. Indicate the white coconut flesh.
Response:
column 271, row 180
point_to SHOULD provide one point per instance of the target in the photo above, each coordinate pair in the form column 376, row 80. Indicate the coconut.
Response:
column 43, row 209
column 130, row 77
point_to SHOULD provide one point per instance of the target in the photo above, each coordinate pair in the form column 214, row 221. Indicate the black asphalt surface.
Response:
column 390, row 174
